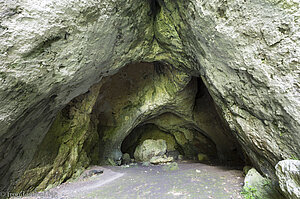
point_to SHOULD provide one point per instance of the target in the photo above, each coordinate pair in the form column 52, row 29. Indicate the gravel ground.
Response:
column 190, row 180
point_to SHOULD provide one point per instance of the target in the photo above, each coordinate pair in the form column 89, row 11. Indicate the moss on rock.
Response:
column 69, row 146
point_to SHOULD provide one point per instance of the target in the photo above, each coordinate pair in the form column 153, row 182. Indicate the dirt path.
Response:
column 191, row 180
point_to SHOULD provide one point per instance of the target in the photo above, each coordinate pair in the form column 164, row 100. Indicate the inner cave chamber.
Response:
column 141, row 101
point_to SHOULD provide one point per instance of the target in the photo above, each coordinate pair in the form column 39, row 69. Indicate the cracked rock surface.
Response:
column 246, row 52
column 288, row 173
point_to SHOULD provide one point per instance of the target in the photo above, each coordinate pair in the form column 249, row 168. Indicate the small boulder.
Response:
column 126, row 158
column 146, row 164
column 92, row 172
column 160, row 159
column 180, row 157
column 256, row 186
column 150, row 148
column 288, row 173
column 202, row 157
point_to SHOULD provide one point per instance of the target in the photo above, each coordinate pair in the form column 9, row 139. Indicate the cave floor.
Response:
column 190, row 180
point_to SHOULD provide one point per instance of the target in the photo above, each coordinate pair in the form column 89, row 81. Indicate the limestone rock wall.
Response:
column 138, row 93
column 288, row 173
column 246, row 51
column 252, row 71
column 92, row 128
column 40, row 71
column 69, row 147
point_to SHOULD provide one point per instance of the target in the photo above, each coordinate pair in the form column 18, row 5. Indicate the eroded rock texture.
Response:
column 288, row 173
column 256, row 186
column 149, row 149
column 247, row 53
column 122, row 111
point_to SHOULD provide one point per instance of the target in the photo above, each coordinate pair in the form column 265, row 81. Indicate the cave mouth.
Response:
column 199, row 147
column 142, row 101
column 154, row 101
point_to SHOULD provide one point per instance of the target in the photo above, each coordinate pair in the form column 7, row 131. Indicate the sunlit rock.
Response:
column 288, row 173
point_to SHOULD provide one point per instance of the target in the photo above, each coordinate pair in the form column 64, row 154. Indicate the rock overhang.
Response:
column 249, row 77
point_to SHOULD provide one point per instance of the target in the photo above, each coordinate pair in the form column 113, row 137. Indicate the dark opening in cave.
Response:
column 154, row 7
column 176, row 142
column 153, row 101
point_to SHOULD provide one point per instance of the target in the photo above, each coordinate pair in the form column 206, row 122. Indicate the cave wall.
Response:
column 246, row 51
column 139, row 92
column 141, row 101
column 251, row 72
column 41, row 73
column 69, row 147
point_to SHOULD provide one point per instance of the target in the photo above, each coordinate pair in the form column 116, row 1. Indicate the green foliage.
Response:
column 249, row 192
column 280, row 134
column 267, row 182
column 293, row 157
column 111, row 162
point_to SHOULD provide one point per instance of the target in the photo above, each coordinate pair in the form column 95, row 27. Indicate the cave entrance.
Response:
column 153, row 101
column 141, row 102
column 182, row 142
